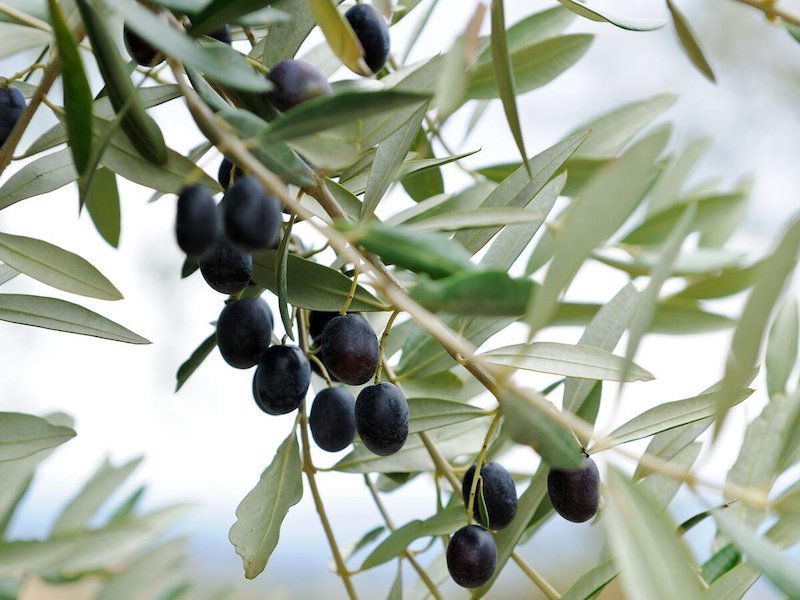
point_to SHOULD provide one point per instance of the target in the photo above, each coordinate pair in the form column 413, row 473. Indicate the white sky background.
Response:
column 208, row 444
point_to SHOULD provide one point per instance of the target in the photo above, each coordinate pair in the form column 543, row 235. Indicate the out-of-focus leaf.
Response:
column 726, row 283
column 749, row 333
column 420, row 252
column 667, row 188
column 689, row 263
column 55, row 267
column 341, row 37
column 599, row 210
column 533, row 425
column 709, row 212
column 634, row 526
column 77, row 93
column 533, row 66
column 443, row 523
column 102, row 203
column 782, row 343
column 611, row 132
column 18, row 38
column 452, row 86
column 312, row 285
column 7, row 273
column 145, row 571
column 689, row 42
column 23, row 435
column 480, row 217
column 591, row 582
column 759, row 460
column 187, row 369
column 648, row 299
column 78, row 512
column 220, row 12
column 566, row 359
column 720, row 563
column 630, row 23
column 504, row 72
column 669, row 415
column 776, row 565
column 259, row 516
column 60, row 315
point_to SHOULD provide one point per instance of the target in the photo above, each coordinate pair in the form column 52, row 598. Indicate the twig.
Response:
column 772, row 11
column 423, row 575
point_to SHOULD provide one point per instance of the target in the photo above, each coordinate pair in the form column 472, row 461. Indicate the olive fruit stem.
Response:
column 382, row 349
column 772, row 11
column 423, row 575
column 308, row 468
column 351, row 294
column 479, row 462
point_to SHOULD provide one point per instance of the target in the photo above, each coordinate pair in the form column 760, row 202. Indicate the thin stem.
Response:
column 308, row 468
column 382, row 349
column 547, row 589
column 479, row 465
column 351, row 294
column 423, row 575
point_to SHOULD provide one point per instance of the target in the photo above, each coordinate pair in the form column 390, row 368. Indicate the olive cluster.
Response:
column 472, row 552
column 223, row 238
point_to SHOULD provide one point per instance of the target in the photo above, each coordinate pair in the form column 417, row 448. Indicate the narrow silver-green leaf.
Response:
column 779, row 568
column 648, row 299
column 77, row 93
column 102, row 204
column 78, row 512
column 781, row 357
column 612, row 131
column 534, row 66
column 668, row 415
column 534, row 424
column 388, row 159
column 60, row 315
column 689, row 42
column 599, row 210
column 43, row 175
column 504, row 72
column 568, row 360
column 432, row 413
column 630, row 23
column 23, row 435
column 55, row 267
column 635, row 525
column 260, row 515
column 479, row 217
column 187, row 369
column 747, row 338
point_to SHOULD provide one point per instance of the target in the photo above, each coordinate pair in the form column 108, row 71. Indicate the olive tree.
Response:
column 334, row 203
